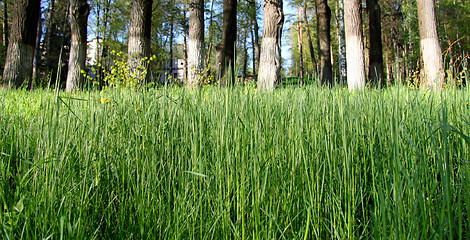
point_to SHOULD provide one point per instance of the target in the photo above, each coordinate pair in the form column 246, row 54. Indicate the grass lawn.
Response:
column 294, row 163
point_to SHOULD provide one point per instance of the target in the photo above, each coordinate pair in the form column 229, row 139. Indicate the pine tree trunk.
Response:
column 139, row 39
column 196, row 43
column 269, row 73
column 341, row 44
column 376, row 63
column 324, row 19
column 22, row 41
column 79, row 11
column 229, row 36
column 354, row 44
column 430, row 48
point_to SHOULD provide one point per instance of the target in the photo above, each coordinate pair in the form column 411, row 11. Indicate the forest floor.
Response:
column 294, row 163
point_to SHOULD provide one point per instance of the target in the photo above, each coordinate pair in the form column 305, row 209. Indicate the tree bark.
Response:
column 79, row 11
column 430, row 49
column 22, row 41
column 269, row 73
column 196, row 43
column 341, row 44
column 376, row 62
column 354, row 44
column 139, row 39
column 324, row 19
column 229, row 36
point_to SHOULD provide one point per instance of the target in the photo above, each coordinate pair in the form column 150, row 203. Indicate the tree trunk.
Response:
column 48, row 36
column 245, row 56
column 139, row 39
column 37, row 53
column 341, row 44
column 324, row 19
column 430, row 49
column 300, row 40
column 229, row 36
column 196, row 43
column 309, row 40
column 256, row 49
column 354, row 44
column 22, row 40
column 376, row 63
column 185, row 43
column 269, row 73
column 5, row 23
column 79, row 11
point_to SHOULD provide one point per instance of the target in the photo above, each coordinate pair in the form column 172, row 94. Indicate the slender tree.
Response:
column 22, row 41
column 196, row 42
column 376, row 65
column 309, row 39
column 354, row 44
column 269, row 73
column 430, row 49
column 37, row 52
column 229, row 35
column 324, row 19
column 139, row 37
column 255, row 34
column 300, row 40
column 341, row 43
column 79, row 11
column 5, row 23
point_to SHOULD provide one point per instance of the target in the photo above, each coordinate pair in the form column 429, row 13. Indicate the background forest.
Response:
column 108, row 30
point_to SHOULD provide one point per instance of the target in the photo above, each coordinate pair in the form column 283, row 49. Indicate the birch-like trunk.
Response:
column 269, row 73
column 430, row 49
column 79, row 11
column 196, row 43
column 354, row 44
column 22, row 41
column 139, row 39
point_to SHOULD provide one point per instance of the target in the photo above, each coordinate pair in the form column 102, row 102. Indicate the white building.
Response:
column 175, row 73
column 93, row 51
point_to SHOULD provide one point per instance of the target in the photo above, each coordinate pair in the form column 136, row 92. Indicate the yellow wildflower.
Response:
column 137, row 109
column 104, row 100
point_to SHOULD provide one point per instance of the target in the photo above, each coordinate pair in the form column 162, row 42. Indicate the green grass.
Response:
column 296, row 163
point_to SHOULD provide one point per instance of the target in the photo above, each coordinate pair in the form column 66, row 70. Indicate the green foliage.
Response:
column 119, row 74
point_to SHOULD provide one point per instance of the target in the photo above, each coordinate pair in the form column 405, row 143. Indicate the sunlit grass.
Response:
column 295, row 163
